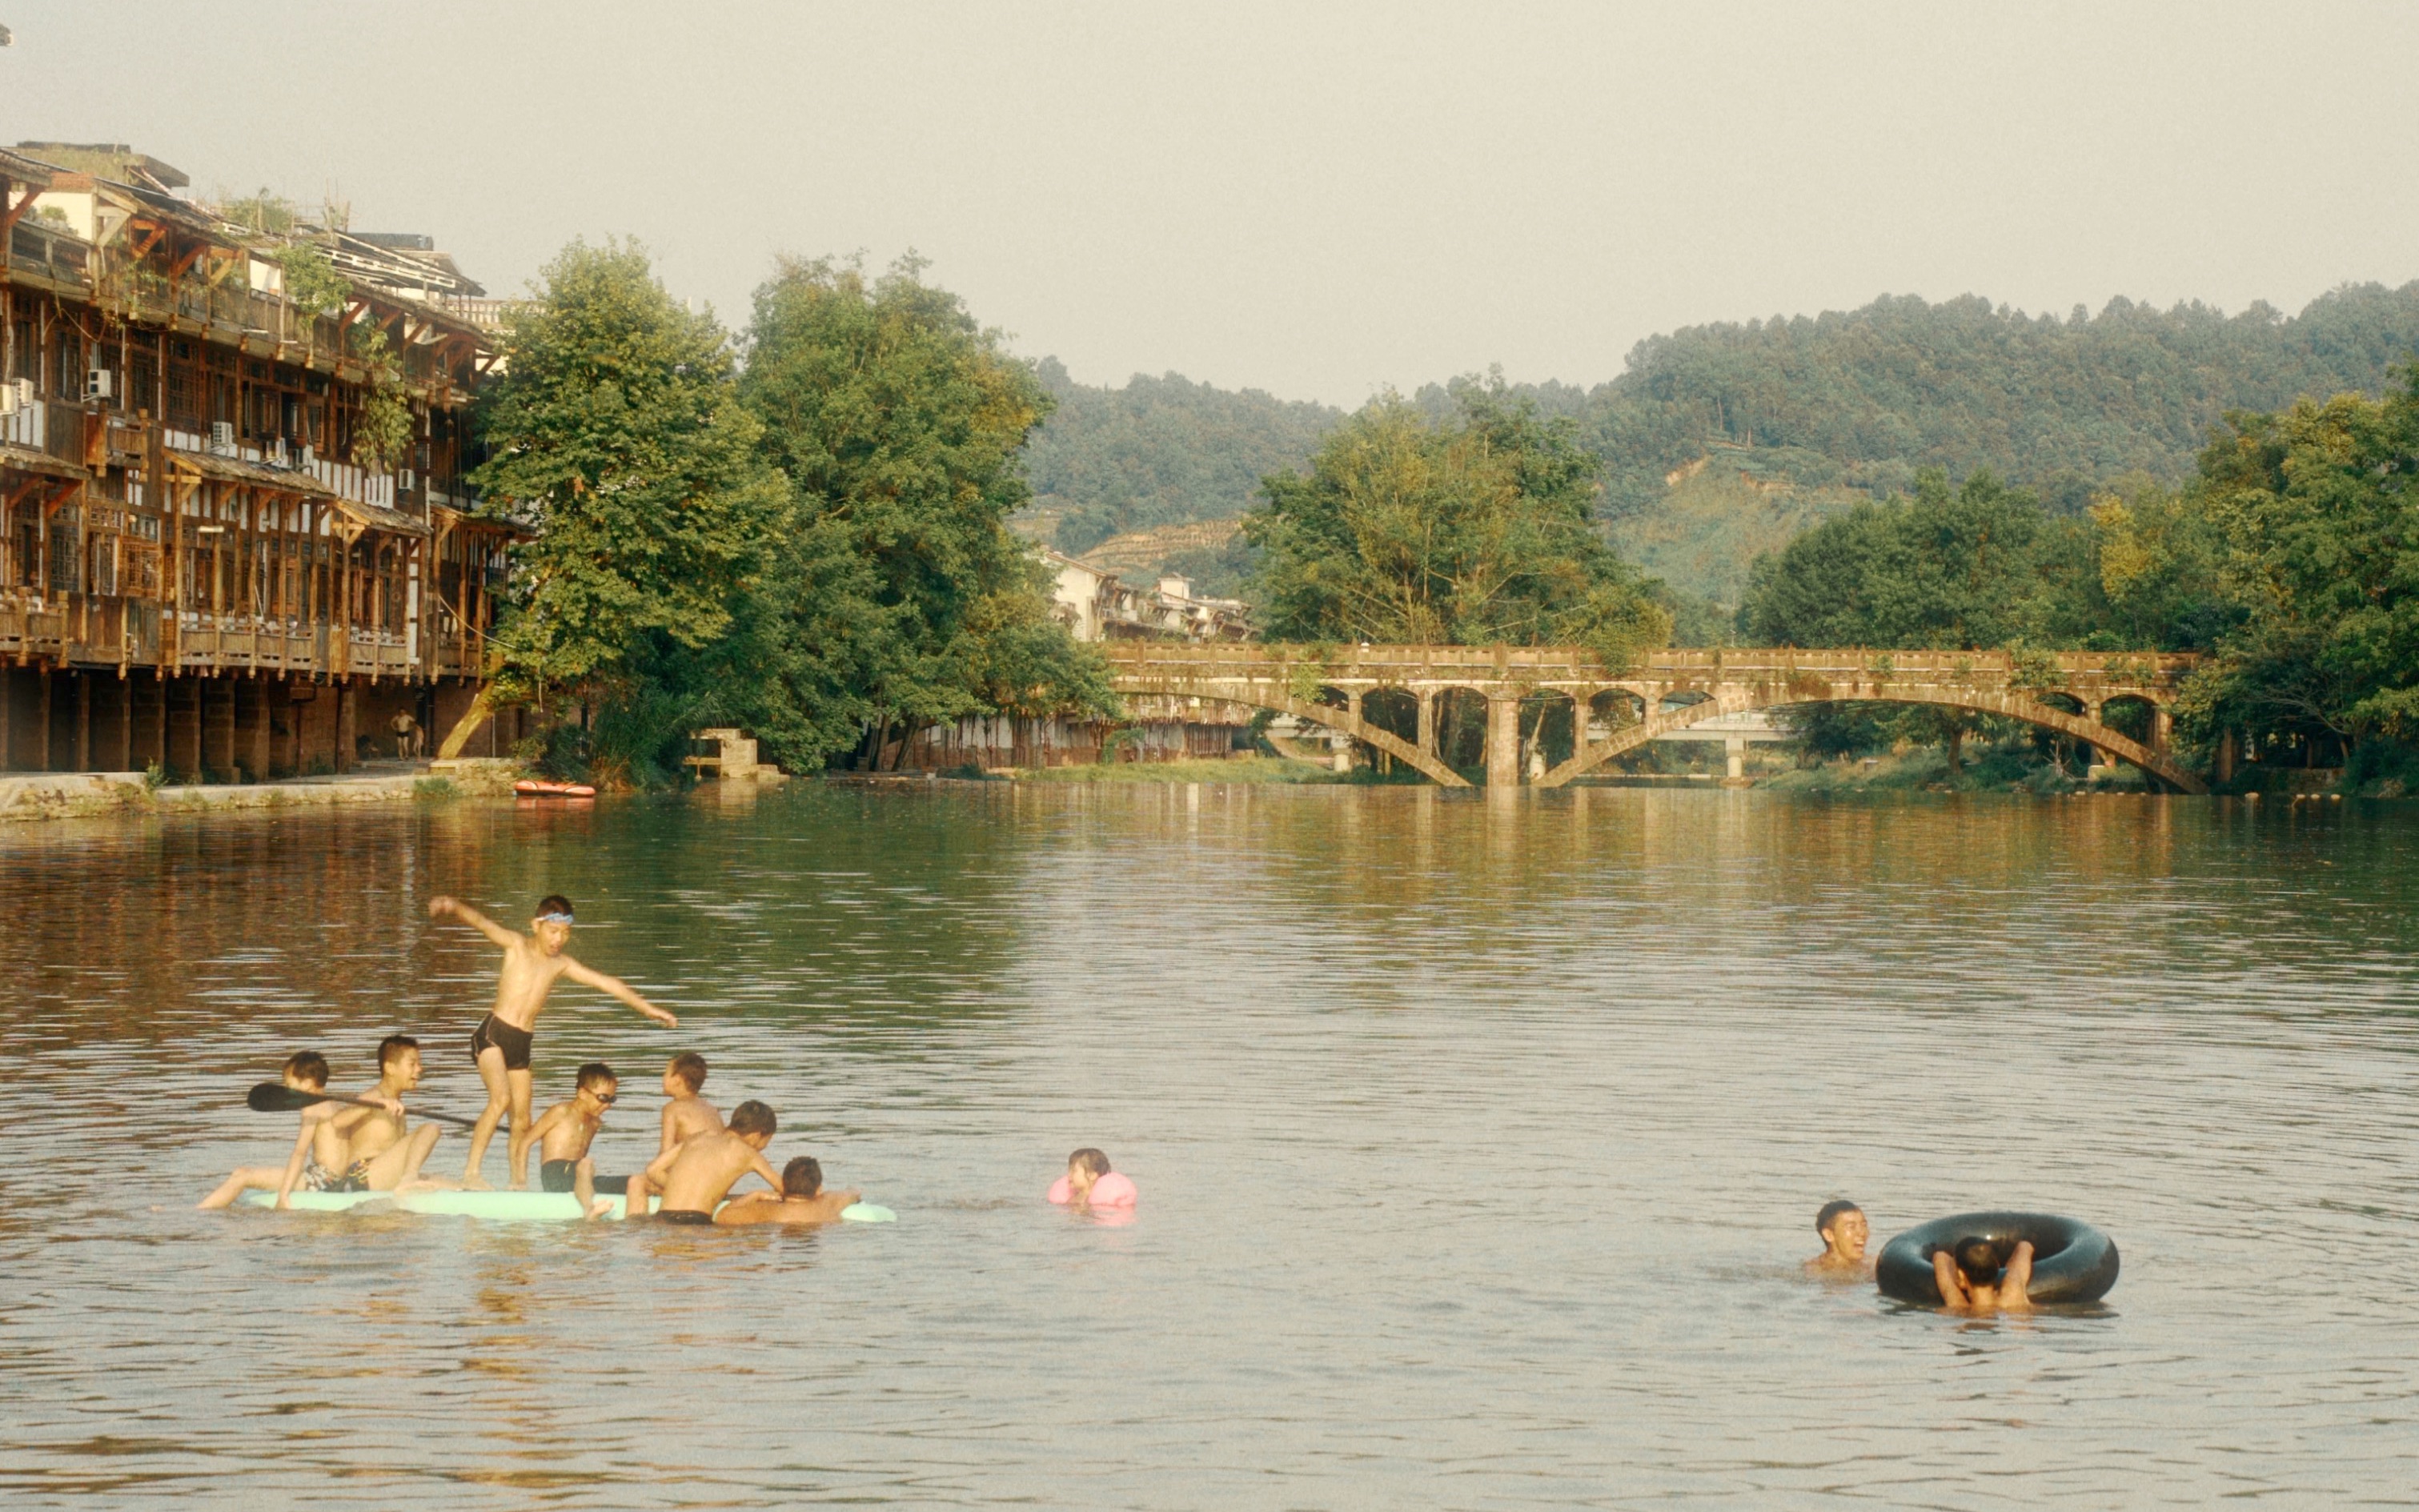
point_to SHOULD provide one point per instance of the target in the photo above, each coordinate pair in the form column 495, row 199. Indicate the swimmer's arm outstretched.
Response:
column 616, row 987
column 444, row 903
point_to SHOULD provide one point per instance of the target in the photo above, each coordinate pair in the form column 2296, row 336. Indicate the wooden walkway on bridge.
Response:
column 1668, row 689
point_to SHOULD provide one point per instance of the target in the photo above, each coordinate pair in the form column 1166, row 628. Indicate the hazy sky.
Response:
column 1315, row 199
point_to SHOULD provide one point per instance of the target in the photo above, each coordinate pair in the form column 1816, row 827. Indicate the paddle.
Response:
column 276, row 1097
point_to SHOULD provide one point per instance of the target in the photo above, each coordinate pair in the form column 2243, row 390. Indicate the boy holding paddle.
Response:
column 344, row 1144
column 501, row 1044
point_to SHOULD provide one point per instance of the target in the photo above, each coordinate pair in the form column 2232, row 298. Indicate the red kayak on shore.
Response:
column 528, row 787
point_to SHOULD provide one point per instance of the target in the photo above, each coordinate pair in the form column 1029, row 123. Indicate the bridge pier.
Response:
column 1428, row 735
column 1502, row 741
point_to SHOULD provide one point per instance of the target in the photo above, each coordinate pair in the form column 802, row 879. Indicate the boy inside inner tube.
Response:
column 1972, row 1281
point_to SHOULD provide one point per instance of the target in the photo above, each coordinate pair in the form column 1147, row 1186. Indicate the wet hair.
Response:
column 802, row 1178
column 1091, row 1160
column 595, row 1074
column 689, row 1067
column 393, row 1046
column 1979, row 1258
column 554, row 902
column 308, row 1066
column 753, row 1118
column 1830, row 1213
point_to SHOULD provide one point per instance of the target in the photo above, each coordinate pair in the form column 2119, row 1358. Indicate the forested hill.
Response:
column 1160, row 451
column 1723, row 441
column 1867, row 397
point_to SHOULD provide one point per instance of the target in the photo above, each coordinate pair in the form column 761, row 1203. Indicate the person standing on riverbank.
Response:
column 501, row 1044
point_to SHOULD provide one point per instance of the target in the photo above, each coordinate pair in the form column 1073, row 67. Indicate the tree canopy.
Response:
column 1471, row 529
column 615, row 431
column 2319, row 522
column 897, row 595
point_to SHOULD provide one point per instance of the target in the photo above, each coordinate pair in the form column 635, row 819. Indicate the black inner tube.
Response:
column 2072, row 1262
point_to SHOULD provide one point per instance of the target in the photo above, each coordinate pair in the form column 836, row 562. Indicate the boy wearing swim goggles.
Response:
column 564, row 1134
column 501, row 1044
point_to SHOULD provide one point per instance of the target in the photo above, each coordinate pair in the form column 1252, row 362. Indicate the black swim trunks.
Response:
column 685, row 1215
column 514, row 1042
column 563, row 1175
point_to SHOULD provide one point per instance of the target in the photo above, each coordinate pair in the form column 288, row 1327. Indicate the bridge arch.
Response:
column 2008, row 706
column 1344, row 721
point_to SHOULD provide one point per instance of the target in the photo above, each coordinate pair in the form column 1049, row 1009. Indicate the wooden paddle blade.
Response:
column 276, row 1097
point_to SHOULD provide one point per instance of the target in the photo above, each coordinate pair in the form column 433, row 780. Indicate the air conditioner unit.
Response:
column 223, row 436
column 24, row 388
column 7, row 398
column 100, row 383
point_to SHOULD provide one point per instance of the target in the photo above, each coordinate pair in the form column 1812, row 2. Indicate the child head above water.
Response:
column 1084, row 1167
column 1089, row 1183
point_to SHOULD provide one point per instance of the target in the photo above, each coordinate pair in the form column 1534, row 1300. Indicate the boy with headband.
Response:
column 501, row 1044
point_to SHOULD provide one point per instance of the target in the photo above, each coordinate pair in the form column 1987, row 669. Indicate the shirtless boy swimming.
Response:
column 1844, row 1232
column 343, row 1148
column 1972, row 1281
column 501, row 1044
column 697, row 1174
column 564, row 1134
column 686, row 1116
column 801, row 1199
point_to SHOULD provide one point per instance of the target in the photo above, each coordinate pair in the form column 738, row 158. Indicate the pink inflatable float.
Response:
column 1114, row 1190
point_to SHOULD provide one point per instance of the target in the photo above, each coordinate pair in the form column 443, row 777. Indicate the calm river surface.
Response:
column 1478, row 1146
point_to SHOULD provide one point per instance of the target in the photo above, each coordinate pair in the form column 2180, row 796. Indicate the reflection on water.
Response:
column 1479, row 1142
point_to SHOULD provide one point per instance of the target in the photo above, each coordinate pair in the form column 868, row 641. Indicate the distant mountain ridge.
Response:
column 1721, row 441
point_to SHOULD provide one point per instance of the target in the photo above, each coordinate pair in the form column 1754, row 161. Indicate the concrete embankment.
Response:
column 34, row 796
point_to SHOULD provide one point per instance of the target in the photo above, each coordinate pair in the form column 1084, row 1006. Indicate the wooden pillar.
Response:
column 252, row 733
column 2224, row 768
column 2163, row 729
column 345, row 715
column 125, row 722
column 1502, row 740
column 83, row 722
column 1427, row 740
column 8, row 697
column 45, row 726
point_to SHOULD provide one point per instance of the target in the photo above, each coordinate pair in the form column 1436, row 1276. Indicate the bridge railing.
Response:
column 1671, row 665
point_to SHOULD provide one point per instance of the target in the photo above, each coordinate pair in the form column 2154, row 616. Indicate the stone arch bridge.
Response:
column 2068, row 692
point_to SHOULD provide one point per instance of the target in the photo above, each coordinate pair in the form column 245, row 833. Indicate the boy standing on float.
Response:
column 501, row 1044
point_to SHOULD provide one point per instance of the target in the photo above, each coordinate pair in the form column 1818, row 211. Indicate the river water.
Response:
column 1478, row 1145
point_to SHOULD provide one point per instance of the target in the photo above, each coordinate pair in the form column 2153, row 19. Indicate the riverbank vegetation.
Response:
column 2291, row 559
column 815, row 547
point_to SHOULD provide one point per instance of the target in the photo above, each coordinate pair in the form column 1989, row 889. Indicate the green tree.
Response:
column 1949, row 569
column 898, row 597
column 617, row 431
column 1473, row 529
column 2322, row 530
